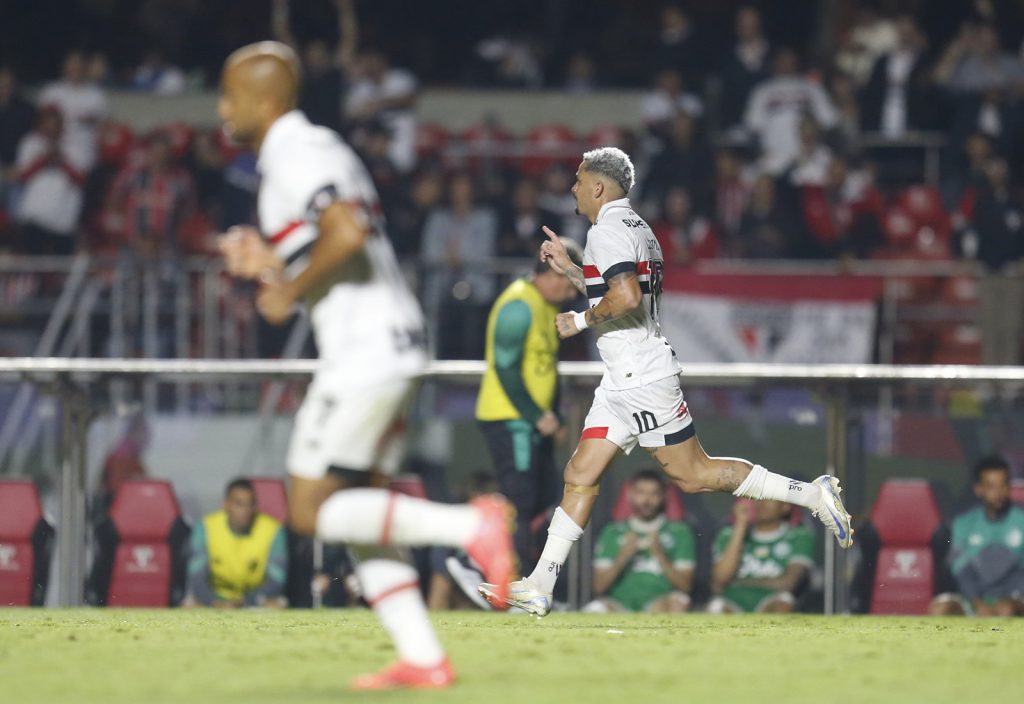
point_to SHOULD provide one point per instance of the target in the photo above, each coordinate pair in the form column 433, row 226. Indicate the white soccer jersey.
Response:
column 633, row 350
column 368, row 326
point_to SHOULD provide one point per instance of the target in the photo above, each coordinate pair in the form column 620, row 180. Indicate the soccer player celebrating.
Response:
column 323, row 243
column 639, row 401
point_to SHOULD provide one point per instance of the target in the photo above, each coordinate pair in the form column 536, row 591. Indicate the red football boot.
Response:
column 491, row 547
column 402, row 675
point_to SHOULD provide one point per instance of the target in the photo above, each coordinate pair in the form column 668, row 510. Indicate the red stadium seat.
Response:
column 905, row 517
column 410, row 485
column 605, row 136
column 430, row 139
column 674, row 508
column 1017, row 492
column 116, row 140
column 271, row 497
column 141, row 559
column 180, row 136
column 549, row 145
column 482, row 141
column 924, row 205
column 26, row 542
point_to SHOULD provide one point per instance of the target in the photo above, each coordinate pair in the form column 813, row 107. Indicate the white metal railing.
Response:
column 68, row 379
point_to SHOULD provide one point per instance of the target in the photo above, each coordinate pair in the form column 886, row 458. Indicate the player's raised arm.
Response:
column 556, row 254
column 623, row 297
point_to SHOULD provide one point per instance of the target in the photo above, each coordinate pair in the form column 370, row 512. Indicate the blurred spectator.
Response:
column 155, row 75
column 98, row 71
column 814, row 158
column 516, row 407
column 761, row 560
column 987, row 555
column 990, row 113
column 766, row 230
column 511, row 62
column 646, row 562
column 124, row 462
column 386, row 95
column 844, row 215
column 744, row 66
column 899, row 96
column 778, row 104
column 667, row 99
column 581, row 73
column 843, row 90
column 83, row 105
column 457, row 240
column 994, row 236
column 519, row 226
column 974, row 62
column 16, row 118
column 556, row 197
column 870, row 36
column 239, row 556
column 150, row 201
column 408, row 218
column 677, row 46
column 685, row 161
column 52, row 179
column 324, row 77
column 376, row 155
column 961, row 182
column 684, row 236
column 731, row 191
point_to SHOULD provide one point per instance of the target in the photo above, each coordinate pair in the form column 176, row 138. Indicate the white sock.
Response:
column 762, row 484
column 381, row 517
column 393, row 591
column 562, row 533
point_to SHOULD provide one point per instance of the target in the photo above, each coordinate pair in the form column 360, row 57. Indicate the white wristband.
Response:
column 581, row 321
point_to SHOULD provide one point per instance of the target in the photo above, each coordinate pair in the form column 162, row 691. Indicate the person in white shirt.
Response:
column 51, row 181
column 639, row 400
column 776, row 107
column 381, row 92
column 83, row 105
column 326, row 245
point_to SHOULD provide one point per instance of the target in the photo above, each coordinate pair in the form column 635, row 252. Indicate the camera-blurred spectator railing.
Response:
column 78, row 386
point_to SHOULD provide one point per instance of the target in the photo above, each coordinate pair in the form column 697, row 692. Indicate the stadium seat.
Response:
column 605, row 136
column 480, row 139
column 674, row 508
column 116, row 140
column 410, row 485
column 430, row 139
column 26, row 544
column 549, row 145
column 924, row 206
column 1017, row 492
column 141, row 548
column 271, row 497
column 180, row 136
column 904, row 548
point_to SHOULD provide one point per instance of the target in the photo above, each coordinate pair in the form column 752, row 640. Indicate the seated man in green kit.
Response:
column 646, row 562
column 239, row 556
column 760, row 560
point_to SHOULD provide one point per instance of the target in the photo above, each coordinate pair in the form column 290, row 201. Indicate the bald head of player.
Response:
column 604, row 175
column 260, row 82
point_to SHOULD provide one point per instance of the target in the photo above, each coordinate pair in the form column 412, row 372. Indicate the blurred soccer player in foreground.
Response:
column 322, row 241
column 639, row 401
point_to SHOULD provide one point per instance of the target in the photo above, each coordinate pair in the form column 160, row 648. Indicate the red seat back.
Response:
column 144, row 513
column 410, row 485
column 271, row 497
column 20, row 512
column 674, row 508
column 1017, row 492
column 549, row 145
column 905, row 516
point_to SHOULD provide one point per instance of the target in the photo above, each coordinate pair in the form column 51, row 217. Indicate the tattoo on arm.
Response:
column 575, row 276
column 615, row 302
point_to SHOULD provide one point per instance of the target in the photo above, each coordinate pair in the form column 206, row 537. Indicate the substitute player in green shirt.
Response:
column 987, row 556
column 644, row 563
column 760, row 560
column 515, row 406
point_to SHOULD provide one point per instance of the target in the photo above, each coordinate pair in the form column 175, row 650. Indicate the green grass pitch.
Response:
column 144, row 657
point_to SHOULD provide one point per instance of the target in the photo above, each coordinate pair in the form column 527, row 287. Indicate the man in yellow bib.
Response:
column 515, row 407
column 239, row 555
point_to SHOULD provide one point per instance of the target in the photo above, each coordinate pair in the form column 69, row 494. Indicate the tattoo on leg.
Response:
column 728, row 479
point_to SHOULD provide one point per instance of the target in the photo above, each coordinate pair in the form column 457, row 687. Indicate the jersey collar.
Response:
column 620, row 203
column 279, row 131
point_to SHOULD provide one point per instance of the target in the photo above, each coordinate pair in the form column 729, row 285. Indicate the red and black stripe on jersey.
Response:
column 597, row 283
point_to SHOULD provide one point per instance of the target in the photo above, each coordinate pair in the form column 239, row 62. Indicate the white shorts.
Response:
column 349, row 427
column 654, row 415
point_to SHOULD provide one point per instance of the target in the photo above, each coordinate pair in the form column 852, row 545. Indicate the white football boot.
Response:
column 522, row 594
column 831, row 512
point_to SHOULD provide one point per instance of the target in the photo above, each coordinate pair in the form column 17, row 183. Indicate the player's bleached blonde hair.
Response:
column 612, row 163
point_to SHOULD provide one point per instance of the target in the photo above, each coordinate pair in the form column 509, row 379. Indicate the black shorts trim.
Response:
column 353, row 478
column 620, row 268
column 682, row 436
